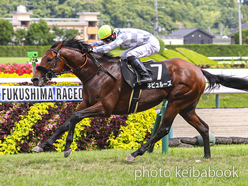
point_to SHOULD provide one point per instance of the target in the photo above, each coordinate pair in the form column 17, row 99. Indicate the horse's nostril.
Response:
column 35, row 81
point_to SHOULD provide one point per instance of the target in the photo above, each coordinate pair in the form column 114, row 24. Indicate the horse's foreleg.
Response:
column 62, row 129
column 163, row 130
column 93, row 111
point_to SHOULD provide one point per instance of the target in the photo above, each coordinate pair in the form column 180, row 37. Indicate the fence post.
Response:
column 33, row 58
column 155, row 128
column 171, row 133
column 33, row 65
column 165, row 140
column 217, row 101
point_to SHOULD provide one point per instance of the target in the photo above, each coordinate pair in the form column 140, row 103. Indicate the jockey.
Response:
column 141, row 44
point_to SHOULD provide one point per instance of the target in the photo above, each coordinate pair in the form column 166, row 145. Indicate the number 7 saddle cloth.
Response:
column 160, row 79
column 158, row 71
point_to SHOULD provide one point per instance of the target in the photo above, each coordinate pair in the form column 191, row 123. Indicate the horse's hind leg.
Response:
column 193, row 119
column 169, row 115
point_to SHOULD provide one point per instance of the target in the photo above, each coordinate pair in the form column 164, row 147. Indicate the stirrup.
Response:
column 145, row 80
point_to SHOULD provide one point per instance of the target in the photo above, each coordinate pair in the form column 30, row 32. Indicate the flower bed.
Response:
column 224, row 66
column 25, row 125
column 15, row 70
column 25, row 71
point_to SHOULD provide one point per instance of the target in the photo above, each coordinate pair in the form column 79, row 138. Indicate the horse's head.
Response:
column 70, row 55
column 51, row 63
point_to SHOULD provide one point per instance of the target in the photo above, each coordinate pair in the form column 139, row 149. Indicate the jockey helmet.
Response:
column 105, row 33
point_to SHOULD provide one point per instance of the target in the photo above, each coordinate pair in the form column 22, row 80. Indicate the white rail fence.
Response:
column 241, row 73
column 229, row 58
column 20, row 80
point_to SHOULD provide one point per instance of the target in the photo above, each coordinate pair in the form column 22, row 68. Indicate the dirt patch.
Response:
column 222, row 122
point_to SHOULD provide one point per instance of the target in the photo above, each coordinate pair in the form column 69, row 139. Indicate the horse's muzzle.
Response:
column 35, row 81
column 39, row 82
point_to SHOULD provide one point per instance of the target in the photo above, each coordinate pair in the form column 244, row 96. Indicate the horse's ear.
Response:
column 60, row 45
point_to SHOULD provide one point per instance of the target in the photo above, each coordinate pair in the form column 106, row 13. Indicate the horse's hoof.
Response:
column 37, row 149
column 67, row 153
column 130, row 158
column 207, row 157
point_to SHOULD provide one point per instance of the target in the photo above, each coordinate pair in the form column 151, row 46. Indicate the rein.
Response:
column 50, row 73
column 100, row 66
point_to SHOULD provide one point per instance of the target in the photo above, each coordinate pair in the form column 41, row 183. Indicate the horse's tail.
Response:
column 227, row 81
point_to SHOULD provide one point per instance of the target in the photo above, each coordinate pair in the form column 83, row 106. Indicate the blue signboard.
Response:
column 41, row 94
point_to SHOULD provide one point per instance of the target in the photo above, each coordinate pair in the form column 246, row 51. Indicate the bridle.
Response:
column 50, row 73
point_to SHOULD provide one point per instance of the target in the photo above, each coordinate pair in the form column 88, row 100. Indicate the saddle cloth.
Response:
column 158, row 71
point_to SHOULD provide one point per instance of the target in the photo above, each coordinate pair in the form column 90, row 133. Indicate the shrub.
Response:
column 21, row 51
column 96, row 135
column 214, row 50
column 173, row 54
column 137, row 128
column 162, row 45
column 22, row 128
column 158, row 57
column 194, row 57
column 35, row 124
column 116, row 52
column 145, row 59
column 10, row 113
column 206, row 49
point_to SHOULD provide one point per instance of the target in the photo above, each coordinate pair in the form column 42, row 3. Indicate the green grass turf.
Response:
column 180, row 166
column 18, row 60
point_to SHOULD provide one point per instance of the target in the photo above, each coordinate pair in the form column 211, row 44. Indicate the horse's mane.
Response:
column 76, row 43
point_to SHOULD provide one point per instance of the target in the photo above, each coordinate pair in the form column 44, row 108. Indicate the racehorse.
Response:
column 105, row 92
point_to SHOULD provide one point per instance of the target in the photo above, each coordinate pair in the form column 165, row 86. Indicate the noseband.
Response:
column 50, row 73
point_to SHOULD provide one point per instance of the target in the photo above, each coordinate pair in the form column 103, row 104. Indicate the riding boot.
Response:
column 140, row 68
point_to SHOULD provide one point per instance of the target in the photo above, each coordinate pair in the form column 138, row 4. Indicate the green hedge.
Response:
column 207, row 50
column 162, row 45
column 194, row 57
column 214, row 50
column 182, row 53
column 173, row 54
column 158, row 57
column 21, row 51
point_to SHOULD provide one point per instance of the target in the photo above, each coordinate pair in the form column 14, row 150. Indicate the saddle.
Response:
column 160, row 79
column 158, row 71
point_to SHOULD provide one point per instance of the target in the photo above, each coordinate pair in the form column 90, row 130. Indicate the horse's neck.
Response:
column 105, row 61
column 110, row 66
column 93, row 66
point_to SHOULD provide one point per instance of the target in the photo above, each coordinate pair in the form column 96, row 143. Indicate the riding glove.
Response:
column 87, row 49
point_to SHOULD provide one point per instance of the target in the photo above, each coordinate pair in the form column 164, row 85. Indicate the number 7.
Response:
column 159, row 66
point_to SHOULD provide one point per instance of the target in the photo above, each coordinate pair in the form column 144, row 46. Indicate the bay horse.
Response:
column 105, row 92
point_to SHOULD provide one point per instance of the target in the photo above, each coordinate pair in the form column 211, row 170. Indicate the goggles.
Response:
column 108, row 39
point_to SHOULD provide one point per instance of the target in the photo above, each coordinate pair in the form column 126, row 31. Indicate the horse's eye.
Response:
column 49, row 59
